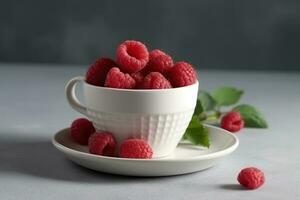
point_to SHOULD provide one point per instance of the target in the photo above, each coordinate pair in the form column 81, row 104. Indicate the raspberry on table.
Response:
column 232, row 122
column 251, row 178
column 117, row 79
column 102, row 143
column 80, row 130
column 97, row 71
column 154, row 53
column 132, row 56
column 161, row 63
column 182, row 74
column 135, row 148
column 155, row 80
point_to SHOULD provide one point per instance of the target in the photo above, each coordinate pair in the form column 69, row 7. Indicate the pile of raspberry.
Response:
column 103, row 143
column 137, row 68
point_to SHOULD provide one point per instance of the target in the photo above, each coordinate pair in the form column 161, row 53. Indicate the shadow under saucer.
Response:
column 41, row 159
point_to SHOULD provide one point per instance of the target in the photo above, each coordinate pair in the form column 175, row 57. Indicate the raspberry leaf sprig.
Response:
column 210, row 109
column 196, row 133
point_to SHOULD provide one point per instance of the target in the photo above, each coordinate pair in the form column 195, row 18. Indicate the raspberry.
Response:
column 154, row 53
column 161, row 63
column 232, row 122
column 132, row 56
column 182, row 74
column 138, row 77
column 97, row 71
column 81, row 129
column 135, row 148
column 155, row 80
column 102, row 143
column 251, row 178
column 117, row 79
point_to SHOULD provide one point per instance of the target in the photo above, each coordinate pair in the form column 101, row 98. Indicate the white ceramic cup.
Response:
column 159, row 117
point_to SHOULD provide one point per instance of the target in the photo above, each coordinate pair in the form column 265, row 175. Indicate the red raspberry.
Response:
column 251, row 178
column 132, row 56
column 155, row 80
column 117, row 79
column 182, row 74
column 102, row 143
column 138, row 77
column 97, row 71
column 135, row 148
column 161, row 63
column 232, row 122
column 154, row 53
column 81, row 129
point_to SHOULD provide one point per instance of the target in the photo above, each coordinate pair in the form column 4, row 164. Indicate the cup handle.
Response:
column 71, row 96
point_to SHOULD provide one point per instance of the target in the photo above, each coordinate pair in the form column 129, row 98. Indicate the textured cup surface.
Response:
column 158, row 116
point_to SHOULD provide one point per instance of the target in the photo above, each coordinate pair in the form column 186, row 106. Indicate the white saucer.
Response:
column 185, row 159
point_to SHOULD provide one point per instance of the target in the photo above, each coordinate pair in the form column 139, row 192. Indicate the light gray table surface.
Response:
column 33, row 108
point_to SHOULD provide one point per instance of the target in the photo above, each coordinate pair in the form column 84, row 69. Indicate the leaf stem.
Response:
column 211, row 118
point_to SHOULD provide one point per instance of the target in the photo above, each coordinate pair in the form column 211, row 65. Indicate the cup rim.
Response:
column 142, row 90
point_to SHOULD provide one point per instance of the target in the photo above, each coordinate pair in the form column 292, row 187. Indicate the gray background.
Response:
column 252, row 34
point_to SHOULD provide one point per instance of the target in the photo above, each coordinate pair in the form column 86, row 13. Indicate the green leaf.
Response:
column 207, row 102
column 252, row 117
column 199, row 109
column 196, row 133
column 226, row 96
